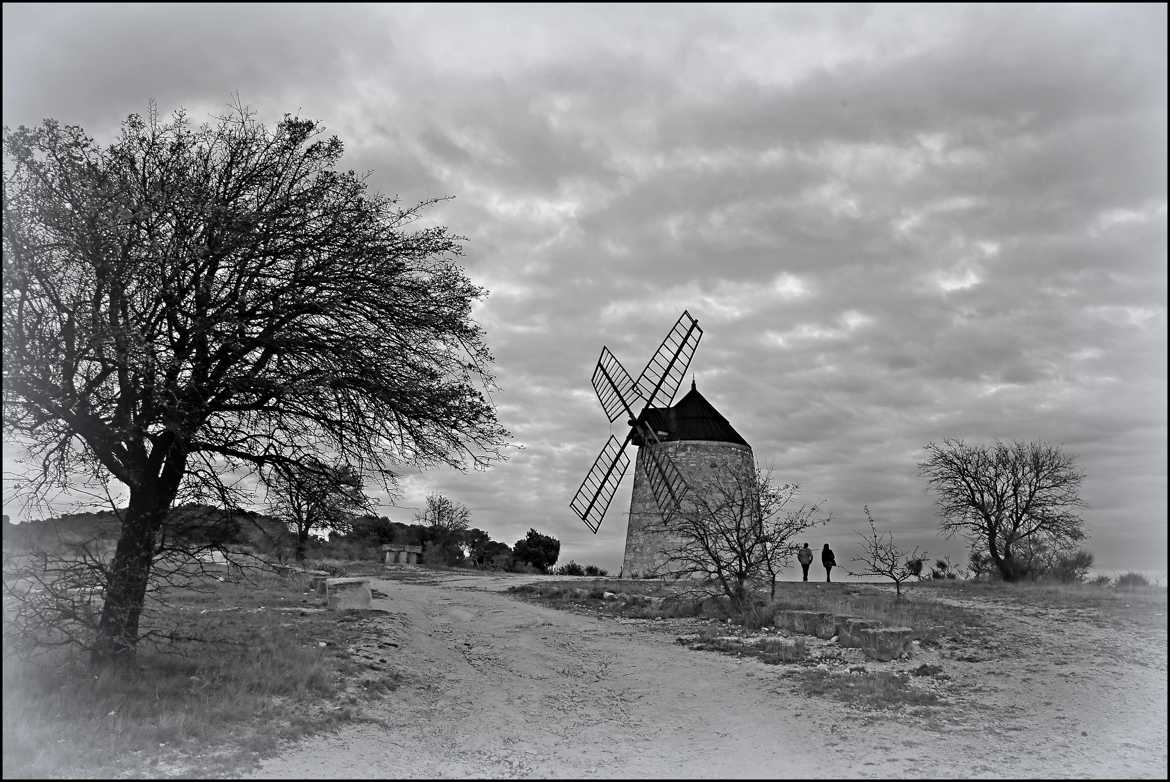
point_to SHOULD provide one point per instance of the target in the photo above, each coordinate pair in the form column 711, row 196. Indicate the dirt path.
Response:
column 496, row 687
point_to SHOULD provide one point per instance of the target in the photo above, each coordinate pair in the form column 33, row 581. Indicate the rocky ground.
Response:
column 492, row 686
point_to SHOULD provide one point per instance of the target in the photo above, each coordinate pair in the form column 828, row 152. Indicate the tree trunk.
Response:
column 1008, row 567
column 117, row 634
column 302, row 542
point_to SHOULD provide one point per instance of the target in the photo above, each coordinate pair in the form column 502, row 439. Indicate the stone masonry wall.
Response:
column 699, row 461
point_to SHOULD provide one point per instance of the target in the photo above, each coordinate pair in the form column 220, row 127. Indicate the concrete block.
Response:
column 885, row 643
column 345, row 593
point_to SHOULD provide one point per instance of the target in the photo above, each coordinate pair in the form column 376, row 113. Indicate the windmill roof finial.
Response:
column 692, row 381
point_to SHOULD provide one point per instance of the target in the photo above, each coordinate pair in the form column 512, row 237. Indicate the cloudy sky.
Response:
column 895, row 225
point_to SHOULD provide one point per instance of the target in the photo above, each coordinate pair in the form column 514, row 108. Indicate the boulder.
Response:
column 346, row 593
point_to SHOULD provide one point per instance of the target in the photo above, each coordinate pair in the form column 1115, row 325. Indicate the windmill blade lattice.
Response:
column 665, row 370
column 596, row 491
column 618, row 394
column 666, row 482
column 616, row 390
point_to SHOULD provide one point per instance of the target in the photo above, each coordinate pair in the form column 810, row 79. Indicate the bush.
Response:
column 943, row 570
column 539, row 551
column 1101, row 581
column 594, row 570
column 1132, row 581
column 570, row 569
column 1070, row 568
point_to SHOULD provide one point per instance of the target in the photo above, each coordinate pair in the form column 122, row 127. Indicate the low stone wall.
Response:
column 877, row 642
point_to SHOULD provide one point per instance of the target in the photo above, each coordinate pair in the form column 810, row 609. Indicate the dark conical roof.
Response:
column 691, row 418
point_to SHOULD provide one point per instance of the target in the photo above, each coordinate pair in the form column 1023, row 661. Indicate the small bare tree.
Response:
column 447, row 521
column 882, row 557
column 735, row 530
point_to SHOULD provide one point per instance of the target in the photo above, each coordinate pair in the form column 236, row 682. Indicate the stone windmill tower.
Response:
column 680, row 448
column 704, row 447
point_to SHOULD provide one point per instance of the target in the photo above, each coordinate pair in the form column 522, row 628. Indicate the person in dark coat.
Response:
column 828, row 560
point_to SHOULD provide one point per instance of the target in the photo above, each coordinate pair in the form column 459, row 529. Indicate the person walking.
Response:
column 828, row 560
column 804, row 557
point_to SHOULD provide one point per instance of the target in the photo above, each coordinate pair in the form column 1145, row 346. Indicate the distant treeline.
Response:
column 361, row 538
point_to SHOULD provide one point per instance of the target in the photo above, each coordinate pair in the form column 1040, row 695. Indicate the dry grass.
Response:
column 929, row 619
column 249, row 676
column 881, row 690
column 772, row 651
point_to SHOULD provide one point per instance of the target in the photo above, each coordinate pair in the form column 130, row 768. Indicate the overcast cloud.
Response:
column 895, row 225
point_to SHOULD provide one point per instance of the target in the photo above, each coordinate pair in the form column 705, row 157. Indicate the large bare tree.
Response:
column 1006, row 495
column 314, row 497
column 738, row 528
column 193, row 302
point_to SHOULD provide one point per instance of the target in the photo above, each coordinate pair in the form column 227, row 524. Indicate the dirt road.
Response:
column 496, row 687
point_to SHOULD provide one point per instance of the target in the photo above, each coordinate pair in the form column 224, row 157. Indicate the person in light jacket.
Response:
column 828, row 560
column 804, row 557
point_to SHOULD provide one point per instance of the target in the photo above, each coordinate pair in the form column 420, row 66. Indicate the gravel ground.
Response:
column 495, row 687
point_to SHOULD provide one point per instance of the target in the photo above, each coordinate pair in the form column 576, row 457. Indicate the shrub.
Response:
column 943, row 569
column 594, row 570
column 571, row 568
column 1101, row 581
column 1132, row 581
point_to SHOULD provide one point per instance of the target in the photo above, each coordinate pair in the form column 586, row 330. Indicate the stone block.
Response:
column 825, row 626
column 807, row 622
column 784, row 619
column 346, row 593
column 885, row 643
column 849, row 631
column 318, row 584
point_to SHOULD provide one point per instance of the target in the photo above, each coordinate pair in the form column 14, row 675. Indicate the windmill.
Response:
column 620, row 394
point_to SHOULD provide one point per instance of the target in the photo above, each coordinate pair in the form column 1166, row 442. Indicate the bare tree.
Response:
column 882, row 557
column 447, row 521
column 188, row 305
column 444, row 513
column 314, row 497
column 735, row 530
column 1005, row 495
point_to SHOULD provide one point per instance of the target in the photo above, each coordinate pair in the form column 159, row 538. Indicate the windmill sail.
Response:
column 666, row 481
column 616, row 390
column 620, row 394
column 596, row 491
column 665, row 370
